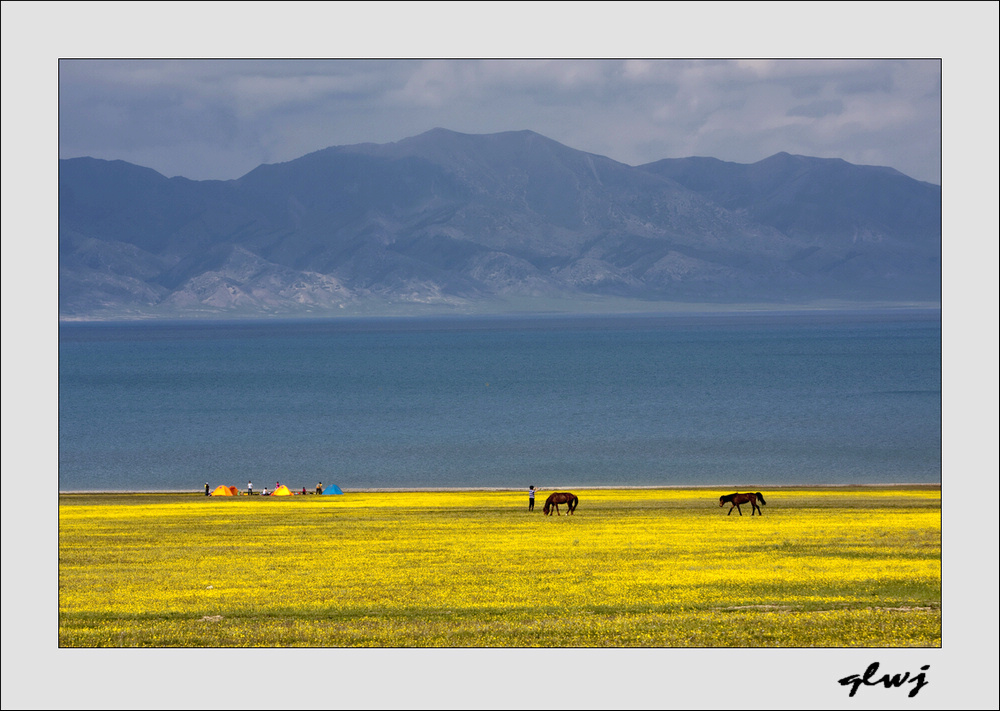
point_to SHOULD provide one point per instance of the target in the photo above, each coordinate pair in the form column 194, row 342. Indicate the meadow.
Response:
column 838, row 567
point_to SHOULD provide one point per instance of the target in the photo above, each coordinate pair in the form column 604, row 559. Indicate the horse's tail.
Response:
column 576, row 500
column 760, row 498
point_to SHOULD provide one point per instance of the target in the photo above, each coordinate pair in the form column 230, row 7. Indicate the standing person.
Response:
column 249, row 488
column 206, row 488
column 319, row 488
column 531, row 498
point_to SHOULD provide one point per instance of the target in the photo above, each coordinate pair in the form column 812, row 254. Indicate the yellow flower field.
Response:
column 632, row 567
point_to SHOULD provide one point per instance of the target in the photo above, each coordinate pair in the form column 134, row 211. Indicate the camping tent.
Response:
column 224, row 491
column 332, row 489
column 281, row 491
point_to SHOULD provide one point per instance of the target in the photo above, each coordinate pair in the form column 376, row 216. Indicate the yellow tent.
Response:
column 224, row 491
column 282, row 491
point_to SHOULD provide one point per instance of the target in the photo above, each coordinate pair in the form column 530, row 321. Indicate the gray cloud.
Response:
column 818, row 109
column 221, row 118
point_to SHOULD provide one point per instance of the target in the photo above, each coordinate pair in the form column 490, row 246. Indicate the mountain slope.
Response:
column 451, row 220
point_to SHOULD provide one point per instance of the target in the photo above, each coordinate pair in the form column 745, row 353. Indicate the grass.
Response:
column 649, row 568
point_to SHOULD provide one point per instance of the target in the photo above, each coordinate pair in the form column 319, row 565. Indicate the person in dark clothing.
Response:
column 206, row 488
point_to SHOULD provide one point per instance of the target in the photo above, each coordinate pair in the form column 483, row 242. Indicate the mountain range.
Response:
column 446, row 222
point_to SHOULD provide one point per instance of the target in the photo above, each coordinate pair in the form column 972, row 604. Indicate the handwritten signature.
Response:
column 856, row 681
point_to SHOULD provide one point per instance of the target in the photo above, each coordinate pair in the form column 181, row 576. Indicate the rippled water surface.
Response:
column 733, row 400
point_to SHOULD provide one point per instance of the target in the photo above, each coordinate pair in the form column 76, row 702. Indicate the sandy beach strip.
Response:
column 560, row 487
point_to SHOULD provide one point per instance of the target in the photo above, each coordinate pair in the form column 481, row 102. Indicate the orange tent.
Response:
column 282, row 491
column 224, row 491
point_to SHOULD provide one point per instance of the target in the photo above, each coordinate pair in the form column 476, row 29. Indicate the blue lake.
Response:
column 739, row 400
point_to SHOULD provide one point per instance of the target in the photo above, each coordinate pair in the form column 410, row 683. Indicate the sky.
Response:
column 219, row 119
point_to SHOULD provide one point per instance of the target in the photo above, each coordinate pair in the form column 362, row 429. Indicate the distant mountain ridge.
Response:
column 448, row 222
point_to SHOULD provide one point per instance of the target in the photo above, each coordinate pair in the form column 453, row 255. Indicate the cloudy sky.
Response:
column 219, row 119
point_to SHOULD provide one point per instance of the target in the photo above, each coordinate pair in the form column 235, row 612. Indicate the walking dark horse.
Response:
column 737, row 499
column 560, row 497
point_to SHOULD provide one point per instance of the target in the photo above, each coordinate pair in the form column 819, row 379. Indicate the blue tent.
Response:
column 331, row 489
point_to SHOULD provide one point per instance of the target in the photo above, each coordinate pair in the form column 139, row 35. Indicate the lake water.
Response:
column 738, row 401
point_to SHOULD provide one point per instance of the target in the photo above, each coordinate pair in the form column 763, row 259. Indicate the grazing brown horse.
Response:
column 560, row 497
column 737, row 499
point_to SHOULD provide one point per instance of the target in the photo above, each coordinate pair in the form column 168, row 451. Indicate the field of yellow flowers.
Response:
column 633, row 567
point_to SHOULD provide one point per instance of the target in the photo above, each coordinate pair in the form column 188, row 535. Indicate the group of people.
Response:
column 319, row 488
column 265, row 492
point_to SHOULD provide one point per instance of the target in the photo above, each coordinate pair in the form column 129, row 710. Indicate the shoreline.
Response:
column 520, row 489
